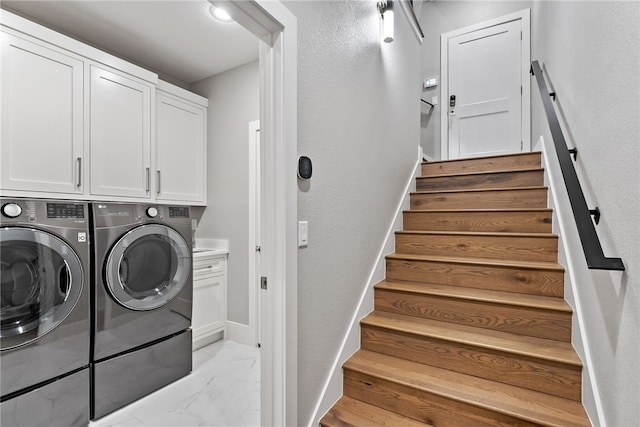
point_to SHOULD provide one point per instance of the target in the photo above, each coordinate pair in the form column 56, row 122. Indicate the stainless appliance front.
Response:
column 44, row 294
column 142, row 298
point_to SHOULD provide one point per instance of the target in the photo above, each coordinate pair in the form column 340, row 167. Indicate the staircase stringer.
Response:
column 332, row 389
column 570, row 255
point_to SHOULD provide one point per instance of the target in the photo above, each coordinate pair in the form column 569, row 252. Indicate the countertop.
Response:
column 211, row 247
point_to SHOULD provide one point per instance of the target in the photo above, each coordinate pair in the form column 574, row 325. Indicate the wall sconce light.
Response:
column 386, row 14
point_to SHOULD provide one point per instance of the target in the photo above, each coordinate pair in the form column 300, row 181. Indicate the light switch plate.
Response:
column 303, row 233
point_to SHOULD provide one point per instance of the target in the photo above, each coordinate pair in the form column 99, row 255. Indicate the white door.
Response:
column 42, row 113
column 484, row 97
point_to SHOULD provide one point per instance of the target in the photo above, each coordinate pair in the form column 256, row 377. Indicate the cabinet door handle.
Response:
column 79, row 178
column 158, row 183
column 148, row 179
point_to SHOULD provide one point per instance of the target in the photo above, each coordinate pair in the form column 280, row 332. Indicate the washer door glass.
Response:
column 148, row 267
column 40, row 284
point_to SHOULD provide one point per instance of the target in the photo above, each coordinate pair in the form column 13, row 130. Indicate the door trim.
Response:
column 276, row 26
column 253, row 335
column 525, row 17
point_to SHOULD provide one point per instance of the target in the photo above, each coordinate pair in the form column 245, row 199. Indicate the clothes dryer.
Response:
column 142, row 300
column 44, row 314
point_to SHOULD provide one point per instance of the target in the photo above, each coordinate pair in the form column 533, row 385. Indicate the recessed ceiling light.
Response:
column 220, row 14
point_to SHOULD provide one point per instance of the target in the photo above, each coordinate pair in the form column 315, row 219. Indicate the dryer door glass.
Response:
column 148, row 267
column 40, row 284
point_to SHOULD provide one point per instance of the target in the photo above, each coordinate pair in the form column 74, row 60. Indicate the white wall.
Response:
column 436, row 18
column 358, row 121
column 234, row 101
column 590, row 53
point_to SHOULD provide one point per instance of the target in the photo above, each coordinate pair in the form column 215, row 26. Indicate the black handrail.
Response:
column 427, row 102
column 587, row 231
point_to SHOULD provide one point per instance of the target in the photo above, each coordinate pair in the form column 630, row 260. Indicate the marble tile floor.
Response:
column 223, row 390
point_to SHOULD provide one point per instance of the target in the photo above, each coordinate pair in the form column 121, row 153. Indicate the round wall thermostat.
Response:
column 304, row 167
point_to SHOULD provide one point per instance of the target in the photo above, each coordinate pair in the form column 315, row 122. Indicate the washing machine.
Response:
column 45, row 323
column 142, row 298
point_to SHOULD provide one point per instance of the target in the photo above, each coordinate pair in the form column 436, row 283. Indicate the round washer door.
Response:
column 41, row 281
column 148, row 267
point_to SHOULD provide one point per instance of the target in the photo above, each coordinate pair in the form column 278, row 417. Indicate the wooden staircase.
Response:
column 470, row 327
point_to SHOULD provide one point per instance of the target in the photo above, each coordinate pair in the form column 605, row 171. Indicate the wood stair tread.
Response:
column 479, row 295
column 499, row 156
column 539, row 265
column 528, row 405
column 477, row 233
column 475, row 173
column 479, row 190
column 349, row 412
column 539, row 348
column 478, row 210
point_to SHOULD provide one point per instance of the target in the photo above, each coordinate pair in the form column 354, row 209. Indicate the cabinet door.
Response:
column 181, row 150
column 42, row 118
column 208, row 306
column 120, row 120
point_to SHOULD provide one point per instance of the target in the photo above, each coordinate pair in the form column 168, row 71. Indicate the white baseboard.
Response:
column 569, row 248
column 206, row 340
column 240, row 333
column 428, row 158
column 332, row 389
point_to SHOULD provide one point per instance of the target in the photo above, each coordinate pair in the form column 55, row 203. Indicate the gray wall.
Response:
column 436, row 18
column 234, row 101
column 358, row 120
column 590, row 52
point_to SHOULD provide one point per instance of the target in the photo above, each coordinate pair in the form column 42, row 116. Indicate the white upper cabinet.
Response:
column 120, row 135
column 42, row 118
column 77, row 122
column 181, row 152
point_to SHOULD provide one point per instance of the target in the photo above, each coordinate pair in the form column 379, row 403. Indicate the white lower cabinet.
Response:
column 209, row 297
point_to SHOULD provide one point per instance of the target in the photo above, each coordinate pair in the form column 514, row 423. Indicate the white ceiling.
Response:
column 177, row 39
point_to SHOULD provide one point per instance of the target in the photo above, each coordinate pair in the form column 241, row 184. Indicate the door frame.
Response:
column 254, row 232
column 525, row 17
column 276, row 27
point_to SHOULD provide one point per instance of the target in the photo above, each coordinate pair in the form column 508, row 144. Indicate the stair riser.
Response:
column 491, row 199
column 421, row 405
column 514, row 222
column 515, row 248
column 531, row 322
column 532, row 178
column 528, row 161
column 499, row 278
column 521, row 371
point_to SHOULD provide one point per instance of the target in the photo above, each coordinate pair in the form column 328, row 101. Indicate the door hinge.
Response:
column 521, row 145
column 520, row 35
column 263, row 282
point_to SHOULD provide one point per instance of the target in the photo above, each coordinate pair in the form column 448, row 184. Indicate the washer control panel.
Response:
column 65, row 210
